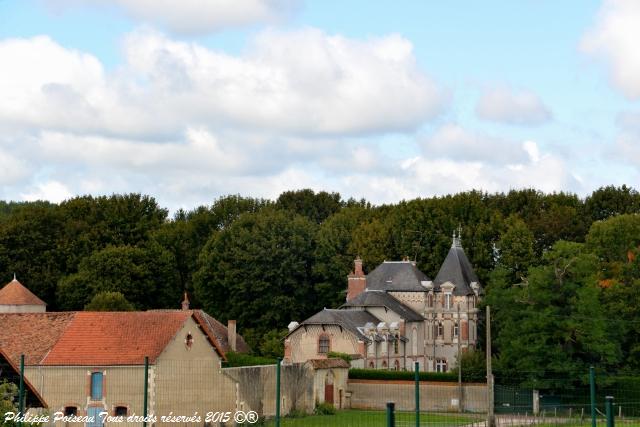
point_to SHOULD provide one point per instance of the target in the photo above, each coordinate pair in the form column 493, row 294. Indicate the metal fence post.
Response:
column 417, row 379
column 391, row 416
column 278, row 392
column 145, row 401
column 609, row 411
column 592, row 386
column 21, row 390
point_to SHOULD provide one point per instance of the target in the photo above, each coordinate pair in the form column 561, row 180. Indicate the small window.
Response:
column 440, row 330
column 396, row 344
column 323, row 344
column 96, row 386
column 455, row 330
column 441, row 365
column 430, row 300
column 396, row 365
column 70, row 411
column 371, row 365
column 120, row 411
column 188, row 340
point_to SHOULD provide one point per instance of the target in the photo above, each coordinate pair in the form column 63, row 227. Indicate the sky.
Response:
column 190, row 100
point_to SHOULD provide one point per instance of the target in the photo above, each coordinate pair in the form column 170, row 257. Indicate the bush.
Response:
column 337, row 355
column 235, row 360
column 325, row 408
column 378, row 374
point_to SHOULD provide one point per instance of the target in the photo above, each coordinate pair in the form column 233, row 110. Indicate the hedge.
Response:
column 235, row 360
column 381, row 374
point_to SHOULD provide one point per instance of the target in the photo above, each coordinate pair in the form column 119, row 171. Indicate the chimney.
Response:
column 185, row 302
column 231, row 331
column 357, row 282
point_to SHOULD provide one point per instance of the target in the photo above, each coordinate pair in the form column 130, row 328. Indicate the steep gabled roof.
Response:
column 396, row 276
column 10, row 371
column 456, row 269
column 31, row 334
column 383, row 299
column 350, row 320
column 15, row 293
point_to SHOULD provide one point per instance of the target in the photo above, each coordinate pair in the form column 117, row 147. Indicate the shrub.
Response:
column 325, row 408
column 235, row 360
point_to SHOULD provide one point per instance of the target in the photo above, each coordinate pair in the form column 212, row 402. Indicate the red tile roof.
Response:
column 31, row 334
column 116, row 338
column 14, row 293
column 87, row 338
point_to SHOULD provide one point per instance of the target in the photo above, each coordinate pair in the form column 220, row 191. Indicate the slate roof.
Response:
column 31, row 334
column 350, row 320
column 15, row 293
column 102, row 338
column 396, row 276
column 220, row 333
column 456, row 269
column 383, row 299
column 11, row 372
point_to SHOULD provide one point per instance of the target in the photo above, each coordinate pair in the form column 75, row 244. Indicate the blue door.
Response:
column 94, row 412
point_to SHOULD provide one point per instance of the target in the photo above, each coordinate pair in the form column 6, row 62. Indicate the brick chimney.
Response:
column 231, row 332
column 357, row 282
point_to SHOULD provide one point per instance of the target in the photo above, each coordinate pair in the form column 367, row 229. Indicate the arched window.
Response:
column 324, row 344
column 371, row 365
column 396, row 365
column 384, row 364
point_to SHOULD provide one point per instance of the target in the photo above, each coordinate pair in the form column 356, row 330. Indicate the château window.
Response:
column 440, row 330
column 430, row 300
column 396, row 346
column 441, row 365
column 323, row 344
column 447, row 301
column 455, row 330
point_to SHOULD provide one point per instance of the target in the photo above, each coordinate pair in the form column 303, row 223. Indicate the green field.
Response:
column 354, row 418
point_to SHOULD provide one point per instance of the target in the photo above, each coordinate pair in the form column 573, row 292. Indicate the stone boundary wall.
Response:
column 434, row 396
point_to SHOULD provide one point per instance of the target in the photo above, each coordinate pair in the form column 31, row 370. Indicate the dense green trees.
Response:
column 562, row 274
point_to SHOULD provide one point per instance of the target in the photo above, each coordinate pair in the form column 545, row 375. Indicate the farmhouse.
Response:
column 396, row 316
column 85, row 363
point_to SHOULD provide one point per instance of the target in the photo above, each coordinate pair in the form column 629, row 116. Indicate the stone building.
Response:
column 396, row 316
column 84, row 363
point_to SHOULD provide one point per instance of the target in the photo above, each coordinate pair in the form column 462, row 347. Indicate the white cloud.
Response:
column 614, row 38
column 454, row 142
column 52, row 191
column 502, row 104
column 332, row 85
column 194, row 16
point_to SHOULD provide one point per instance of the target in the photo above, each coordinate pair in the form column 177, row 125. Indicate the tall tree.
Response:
column 259, row 271
column 315, row 206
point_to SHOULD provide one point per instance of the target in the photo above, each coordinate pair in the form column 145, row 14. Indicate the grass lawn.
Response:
column 354, row 418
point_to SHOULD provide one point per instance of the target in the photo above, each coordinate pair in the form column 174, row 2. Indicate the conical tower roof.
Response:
column 457, row 269
column 15, row 293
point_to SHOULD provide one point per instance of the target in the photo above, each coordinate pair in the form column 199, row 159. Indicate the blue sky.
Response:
column 189, row 100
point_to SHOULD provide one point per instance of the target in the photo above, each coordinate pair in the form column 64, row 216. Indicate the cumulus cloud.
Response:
column 52, row 191
column 614, row 39
column 502, row 104
column 459, row 144
column 194, row 16
column 332, row 85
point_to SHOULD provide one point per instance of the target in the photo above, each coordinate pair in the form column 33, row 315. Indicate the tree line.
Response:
column 560, row 272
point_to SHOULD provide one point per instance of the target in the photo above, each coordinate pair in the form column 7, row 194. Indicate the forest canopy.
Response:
column 561, row 273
